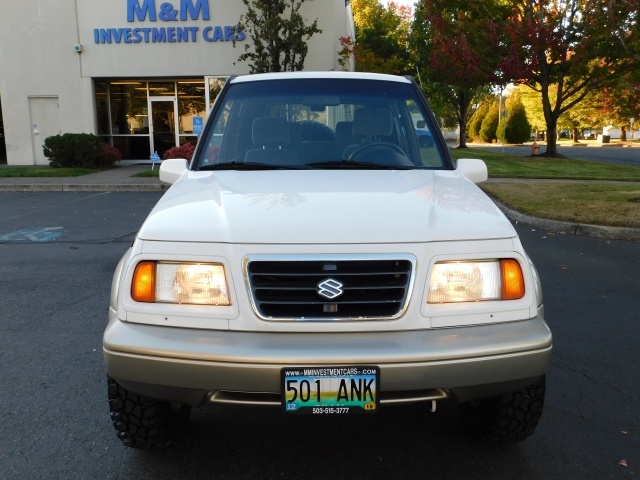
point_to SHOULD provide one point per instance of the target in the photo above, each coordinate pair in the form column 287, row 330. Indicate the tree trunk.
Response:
column 463, row 133
column 623, row 134
column 552, row 141
column 463, row 111
column 575, row 135
column 551, row 119
column 551, row 114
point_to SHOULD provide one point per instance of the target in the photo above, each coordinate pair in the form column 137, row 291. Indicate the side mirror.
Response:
column 172, row 169
column 474, row 169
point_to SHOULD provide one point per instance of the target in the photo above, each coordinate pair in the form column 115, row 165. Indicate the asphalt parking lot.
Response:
column 58, row 253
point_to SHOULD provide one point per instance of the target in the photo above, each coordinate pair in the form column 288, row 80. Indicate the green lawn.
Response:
column 44, row 172
column 586, row 203
column 149, row 173
column 501, row 165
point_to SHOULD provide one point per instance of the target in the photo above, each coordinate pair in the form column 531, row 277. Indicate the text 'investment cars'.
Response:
column 323, row 254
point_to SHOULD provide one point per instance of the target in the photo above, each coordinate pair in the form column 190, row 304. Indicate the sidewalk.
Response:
column 119, row 179
column 122, row 179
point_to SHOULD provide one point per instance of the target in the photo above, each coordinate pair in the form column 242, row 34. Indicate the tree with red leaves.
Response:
column 458, row 47
column 572, row 47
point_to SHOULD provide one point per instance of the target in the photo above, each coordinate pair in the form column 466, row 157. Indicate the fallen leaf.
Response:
column 623, row 463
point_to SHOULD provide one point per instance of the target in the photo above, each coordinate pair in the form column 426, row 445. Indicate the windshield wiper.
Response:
column 354, row 164
column 248, row 166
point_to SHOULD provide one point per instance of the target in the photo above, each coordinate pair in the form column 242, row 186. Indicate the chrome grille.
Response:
column 328, row 289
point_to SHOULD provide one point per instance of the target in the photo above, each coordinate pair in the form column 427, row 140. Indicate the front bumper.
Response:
column 198, row 366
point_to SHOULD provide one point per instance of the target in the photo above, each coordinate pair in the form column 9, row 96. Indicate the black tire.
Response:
column 506, row 418
column 143, row 422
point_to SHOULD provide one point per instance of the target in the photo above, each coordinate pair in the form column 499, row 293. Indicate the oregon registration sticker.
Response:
column 330, row 390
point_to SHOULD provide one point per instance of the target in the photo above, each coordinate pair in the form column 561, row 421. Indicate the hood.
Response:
column 324, row 207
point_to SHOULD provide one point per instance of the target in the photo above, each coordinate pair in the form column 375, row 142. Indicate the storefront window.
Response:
column 129, row 111
column 215, row 85
column 102, row 108
column 122, row 112
column 132, row 147
column 191, row 104
column 161, row 89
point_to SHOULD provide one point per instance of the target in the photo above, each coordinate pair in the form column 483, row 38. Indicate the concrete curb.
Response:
column 599, row 231
column 84, row 188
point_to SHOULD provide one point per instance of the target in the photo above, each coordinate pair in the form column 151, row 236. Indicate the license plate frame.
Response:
column 330, row 390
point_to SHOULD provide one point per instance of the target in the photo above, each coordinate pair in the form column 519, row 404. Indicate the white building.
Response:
column 140, row 74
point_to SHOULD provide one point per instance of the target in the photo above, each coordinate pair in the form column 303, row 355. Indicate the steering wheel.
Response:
column 382, row 152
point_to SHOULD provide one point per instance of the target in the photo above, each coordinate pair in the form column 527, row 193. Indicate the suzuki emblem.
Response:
column 330, row 288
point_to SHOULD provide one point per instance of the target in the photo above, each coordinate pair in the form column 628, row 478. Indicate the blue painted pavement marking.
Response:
column 36, row 234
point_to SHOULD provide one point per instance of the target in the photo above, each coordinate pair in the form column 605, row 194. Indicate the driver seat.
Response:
column 369, row 125
column 270, row 135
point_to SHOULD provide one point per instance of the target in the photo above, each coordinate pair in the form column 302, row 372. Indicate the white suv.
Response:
column 315, row 256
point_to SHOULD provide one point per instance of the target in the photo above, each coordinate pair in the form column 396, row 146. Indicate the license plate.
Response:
column 330, row 390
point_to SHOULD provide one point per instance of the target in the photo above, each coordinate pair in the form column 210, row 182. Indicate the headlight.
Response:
column 474, row 281
column 192, row 283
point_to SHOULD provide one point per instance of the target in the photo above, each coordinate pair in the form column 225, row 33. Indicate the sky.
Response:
column 408, row 3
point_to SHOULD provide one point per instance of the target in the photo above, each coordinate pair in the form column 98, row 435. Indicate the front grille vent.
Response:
column 329, row 289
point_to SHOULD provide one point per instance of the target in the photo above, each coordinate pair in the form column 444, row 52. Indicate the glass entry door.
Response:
column 163, row 125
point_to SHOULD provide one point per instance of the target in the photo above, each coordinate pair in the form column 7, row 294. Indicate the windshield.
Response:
column 320, row 123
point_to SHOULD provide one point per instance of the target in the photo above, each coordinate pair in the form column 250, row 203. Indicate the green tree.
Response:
column 489, row 127
column 381, row 37
column 514, row 126
column 475, row 122
column 582, row 115
column 278, row 33
column 532, row 105
column 627, row 29
column 570, row 46
column 457, row 45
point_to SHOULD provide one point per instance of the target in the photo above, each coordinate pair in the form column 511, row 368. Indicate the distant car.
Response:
column 425, row 139
column 322, row 273
column 590, row 136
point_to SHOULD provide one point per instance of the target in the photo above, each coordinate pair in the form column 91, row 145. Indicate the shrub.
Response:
column 490, row 124
column 475, row 122
column 514, row 128
column 76, row 150
column 183, row 151
column 111, row 153
column 518, row 128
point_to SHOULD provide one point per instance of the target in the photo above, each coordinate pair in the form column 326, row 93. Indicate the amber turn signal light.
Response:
column 143, row 287
column 512, row 280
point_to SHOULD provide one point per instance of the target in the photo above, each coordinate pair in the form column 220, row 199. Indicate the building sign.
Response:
column 164, row 15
